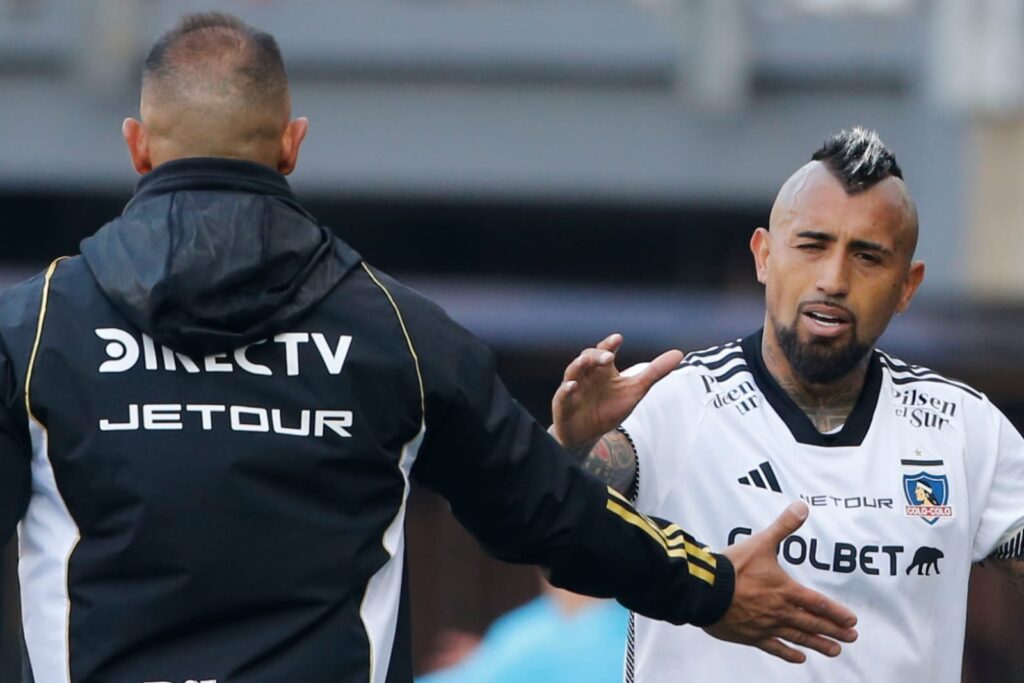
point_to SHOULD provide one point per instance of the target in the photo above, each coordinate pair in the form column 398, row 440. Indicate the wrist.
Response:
column 717, row 601
column 579, row 452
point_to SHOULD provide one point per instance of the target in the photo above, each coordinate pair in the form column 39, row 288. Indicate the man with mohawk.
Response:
column 209, row 421
column 900, row 464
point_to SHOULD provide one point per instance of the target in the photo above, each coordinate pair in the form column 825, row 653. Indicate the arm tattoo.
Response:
column 1012, row 569
column 613, row 460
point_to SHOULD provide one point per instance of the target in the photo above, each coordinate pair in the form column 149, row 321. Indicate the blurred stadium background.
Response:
column 555, row 170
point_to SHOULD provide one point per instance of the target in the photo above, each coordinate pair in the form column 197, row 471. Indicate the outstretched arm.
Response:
column 593, row 399
column 523, row 498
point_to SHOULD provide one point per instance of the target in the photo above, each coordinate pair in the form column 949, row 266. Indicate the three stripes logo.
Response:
column 763, row 477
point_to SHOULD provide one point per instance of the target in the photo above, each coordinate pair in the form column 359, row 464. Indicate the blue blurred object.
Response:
column 540, row 643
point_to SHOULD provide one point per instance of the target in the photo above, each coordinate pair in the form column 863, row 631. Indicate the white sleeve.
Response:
column 998, row 489
column 662, row 429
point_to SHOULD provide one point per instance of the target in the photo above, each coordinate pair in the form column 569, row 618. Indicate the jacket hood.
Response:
column 213, row 254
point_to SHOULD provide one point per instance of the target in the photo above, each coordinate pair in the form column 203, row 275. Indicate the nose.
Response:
column 834, row 275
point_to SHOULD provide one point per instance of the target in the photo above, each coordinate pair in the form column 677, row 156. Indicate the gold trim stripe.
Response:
column 618, row 495
column 702, row 554
column 677, row 536
column 39, row 335
column 648, row 527
column 673, row 529
column 408, row 339
column 702, row 574
column 645, row 526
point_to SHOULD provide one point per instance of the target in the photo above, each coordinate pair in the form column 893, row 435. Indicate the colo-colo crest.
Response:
column 927, row 496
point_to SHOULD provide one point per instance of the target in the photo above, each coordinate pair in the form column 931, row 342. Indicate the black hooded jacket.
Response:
column 208, row 425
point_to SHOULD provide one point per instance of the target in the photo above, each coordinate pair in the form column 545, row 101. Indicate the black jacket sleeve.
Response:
column 520, row 494
column 15, row 450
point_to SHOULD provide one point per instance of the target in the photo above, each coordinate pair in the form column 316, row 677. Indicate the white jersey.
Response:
column 925, row 478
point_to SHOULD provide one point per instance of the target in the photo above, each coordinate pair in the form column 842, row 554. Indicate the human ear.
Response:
column 760, row 248
column 915, row 276
column 291, row 140
column 135, row 136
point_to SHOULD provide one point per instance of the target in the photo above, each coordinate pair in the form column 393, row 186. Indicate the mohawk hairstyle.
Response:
column 256, row 57
column 858, row 159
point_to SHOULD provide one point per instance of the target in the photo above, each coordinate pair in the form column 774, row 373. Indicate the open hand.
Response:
column 769, row 607
column 594, row 398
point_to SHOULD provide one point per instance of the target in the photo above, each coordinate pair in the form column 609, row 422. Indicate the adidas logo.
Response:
column 763, row 477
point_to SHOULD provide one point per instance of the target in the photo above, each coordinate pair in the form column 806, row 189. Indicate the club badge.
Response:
column 927, row 495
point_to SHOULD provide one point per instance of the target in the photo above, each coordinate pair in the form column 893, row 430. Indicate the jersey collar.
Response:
column 803, row 430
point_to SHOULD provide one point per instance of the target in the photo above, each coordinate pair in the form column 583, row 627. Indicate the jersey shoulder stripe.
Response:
column 901, row 372
column 729, row 373
column 720, row 361
column 716, row 360
column 712, row 351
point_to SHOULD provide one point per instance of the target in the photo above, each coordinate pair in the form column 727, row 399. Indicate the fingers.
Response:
column 810, row 623
column 775, row 647
column 611, row 343
column 564, row 392
column 791, row 519
column 586, row 361
column 816, row 603
column 829, row 648
column 659, row 367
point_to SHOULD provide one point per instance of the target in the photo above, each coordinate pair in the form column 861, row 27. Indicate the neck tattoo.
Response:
column 827, row 406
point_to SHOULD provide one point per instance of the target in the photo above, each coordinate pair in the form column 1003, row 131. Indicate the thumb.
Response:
column 658, row 368
column 791, row 519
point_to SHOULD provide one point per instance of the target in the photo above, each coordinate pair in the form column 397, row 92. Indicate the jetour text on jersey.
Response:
column 124, row 351
column 153, row 417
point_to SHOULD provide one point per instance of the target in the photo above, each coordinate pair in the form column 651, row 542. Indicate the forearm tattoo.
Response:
column 613, row 460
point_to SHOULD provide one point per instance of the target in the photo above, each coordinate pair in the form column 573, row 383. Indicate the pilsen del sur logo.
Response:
column 927, row 495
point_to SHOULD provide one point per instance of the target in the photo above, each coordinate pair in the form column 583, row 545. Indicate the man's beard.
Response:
column 819, row 363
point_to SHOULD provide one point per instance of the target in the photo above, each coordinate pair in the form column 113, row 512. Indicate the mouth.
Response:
column 824, row 320
column 831, row 321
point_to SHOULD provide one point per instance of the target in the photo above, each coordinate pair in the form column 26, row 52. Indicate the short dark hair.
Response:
column 858, row 158
column 258, row 64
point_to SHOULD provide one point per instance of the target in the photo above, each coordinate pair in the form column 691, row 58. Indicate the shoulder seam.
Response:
column 408, row 338
column 43, row 303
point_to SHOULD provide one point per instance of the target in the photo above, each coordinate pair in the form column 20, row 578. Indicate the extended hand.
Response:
column 769, row 607
column 594, row 398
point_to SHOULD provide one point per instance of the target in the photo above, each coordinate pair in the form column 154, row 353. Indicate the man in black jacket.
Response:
column 209, row 421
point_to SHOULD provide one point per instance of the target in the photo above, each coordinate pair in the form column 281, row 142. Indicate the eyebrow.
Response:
column 860, row 245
